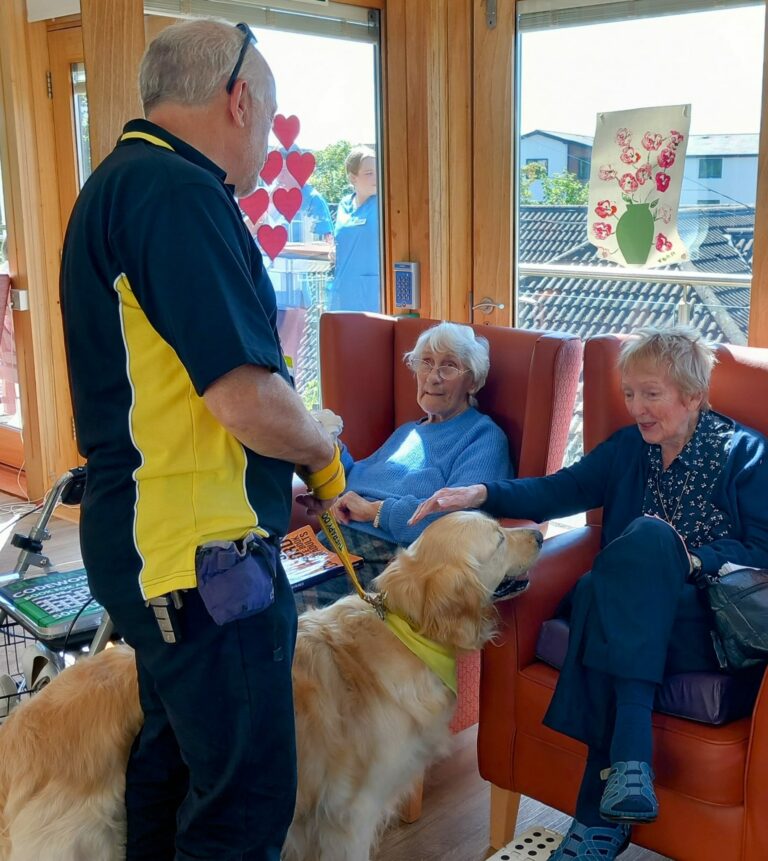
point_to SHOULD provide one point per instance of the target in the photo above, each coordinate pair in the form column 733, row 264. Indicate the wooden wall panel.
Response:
column 417, row 49
column 758, row 309
column 436, row 136
column 395, row 139
column 153, row 24
column 493, row 144
column 428, row 159
column 458, row 167
column 113, row 38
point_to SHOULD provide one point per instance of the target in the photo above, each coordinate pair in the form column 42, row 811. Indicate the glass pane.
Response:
column 3, row 230
column 331, row 259
column 80, row 110
column 563, row 283
column 10, row 412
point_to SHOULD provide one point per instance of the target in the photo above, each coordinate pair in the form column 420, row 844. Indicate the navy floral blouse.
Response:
column 682, row 493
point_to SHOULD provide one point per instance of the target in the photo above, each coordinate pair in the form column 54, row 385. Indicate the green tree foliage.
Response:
column 330, row 178
column 560, row 189
column 528, row 175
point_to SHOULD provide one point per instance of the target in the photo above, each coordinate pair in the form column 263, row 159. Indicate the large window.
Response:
column 320, row 233
column 620, row 56
column 3, row 230
column 10, row 412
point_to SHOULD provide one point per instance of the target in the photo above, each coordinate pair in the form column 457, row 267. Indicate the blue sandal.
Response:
column 629, row 795
column 592, row 844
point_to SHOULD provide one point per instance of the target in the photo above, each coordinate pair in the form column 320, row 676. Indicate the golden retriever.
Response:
column 370, row 715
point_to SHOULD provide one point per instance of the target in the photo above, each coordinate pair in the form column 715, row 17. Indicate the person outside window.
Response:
column 357, row 278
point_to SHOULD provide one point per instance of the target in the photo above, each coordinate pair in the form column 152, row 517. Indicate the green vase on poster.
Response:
column 634, row 233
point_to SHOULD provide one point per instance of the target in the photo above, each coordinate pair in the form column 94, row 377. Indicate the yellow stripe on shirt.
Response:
column 190, row 485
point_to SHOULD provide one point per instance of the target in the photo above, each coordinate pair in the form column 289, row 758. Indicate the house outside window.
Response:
column 710, row 168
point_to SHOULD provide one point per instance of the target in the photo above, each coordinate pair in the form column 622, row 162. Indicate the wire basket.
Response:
column 13, row 641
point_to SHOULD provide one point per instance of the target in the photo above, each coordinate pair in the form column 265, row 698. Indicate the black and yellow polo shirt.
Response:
column 164, row 291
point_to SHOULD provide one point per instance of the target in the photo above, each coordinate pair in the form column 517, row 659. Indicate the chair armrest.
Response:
column 564, row 558
column 756, row 780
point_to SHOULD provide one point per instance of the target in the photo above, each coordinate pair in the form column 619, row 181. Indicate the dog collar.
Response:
column 440, row 659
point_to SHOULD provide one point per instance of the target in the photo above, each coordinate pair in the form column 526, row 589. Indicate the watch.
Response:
column 695, row 564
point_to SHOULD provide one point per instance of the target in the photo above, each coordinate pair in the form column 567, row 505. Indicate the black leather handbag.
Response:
column 739, row 601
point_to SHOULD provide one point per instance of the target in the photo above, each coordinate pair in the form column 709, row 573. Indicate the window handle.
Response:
column 487, row 304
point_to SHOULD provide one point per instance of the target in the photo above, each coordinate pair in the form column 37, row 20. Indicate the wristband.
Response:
column 324, row 475
column 377, row 517
column 328, row 482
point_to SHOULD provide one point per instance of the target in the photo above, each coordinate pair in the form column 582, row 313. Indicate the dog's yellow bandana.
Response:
column 440, row 659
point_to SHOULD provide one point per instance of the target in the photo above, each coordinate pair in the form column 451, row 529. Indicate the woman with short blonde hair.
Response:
column 683, row 493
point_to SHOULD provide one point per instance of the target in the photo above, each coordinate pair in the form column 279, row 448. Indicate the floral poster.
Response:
column 638, row 159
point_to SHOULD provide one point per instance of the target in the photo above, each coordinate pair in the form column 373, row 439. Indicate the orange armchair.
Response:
column 529, row 393
column 712, row 781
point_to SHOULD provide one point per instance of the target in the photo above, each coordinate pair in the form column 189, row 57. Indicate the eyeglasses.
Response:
column 248, row 38
column 424, row 367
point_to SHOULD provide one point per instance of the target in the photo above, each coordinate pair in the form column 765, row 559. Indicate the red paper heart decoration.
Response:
column 287, row 202
column 300, row 165
column 255, row 205
column 272, row 239
column 286, row 129
column 272, row 167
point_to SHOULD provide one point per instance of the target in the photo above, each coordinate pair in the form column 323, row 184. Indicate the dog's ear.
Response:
column 403, row 586
column 455, row 611
column 444, row 601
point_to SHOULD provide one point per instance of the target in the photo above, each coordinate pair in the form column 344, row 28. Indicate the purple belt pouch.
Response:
column 236, row 579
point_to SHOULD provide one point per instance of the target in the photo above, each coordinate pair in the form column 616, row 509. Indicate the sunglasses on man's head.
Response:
column 248, row 37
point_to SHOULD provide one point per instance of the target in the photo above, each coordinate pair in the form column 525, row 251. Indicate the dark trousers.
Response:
column 212, row 774
column 634, row 616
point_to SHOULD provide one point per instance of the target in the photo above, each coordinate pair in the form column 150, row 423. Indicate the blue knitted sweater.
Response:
column 420, row 458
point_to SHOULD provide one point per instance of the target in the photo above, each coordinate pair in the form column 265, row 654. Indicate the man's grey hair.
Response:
column 680, row 352
column 190, row 62
column 460, row 341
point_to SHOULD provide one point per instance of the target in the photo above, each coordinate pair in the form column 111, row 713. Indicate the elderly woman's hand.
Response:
column 352, row 506
column 451, row 499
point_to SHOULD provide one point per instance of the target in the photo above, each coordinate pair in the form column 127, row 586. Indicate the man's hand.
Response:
column 451, row 499
column 313, row 505
column 352, row 506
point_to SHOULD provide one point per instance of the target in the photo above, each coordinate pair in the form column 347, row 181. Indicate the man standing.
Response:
column 191, row 431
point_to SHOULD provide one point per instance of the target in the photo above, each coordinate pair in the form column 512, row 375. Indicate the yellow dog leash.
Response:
column 331, row 529
column 329, row 483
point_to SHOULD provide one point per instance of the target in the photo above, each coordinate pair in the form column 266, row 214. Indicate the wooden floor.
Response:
column 454, row 824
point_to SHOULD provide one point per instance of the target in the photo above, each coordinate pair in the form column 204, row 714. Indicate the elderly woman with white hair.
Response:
column 683, row 491
column 452, row 444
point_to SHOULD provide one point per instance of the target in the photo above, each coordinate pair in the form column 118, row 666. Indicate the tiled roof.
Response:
column 709, row 145
column 566, row 137
column 719, row 239
column 698, row 145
